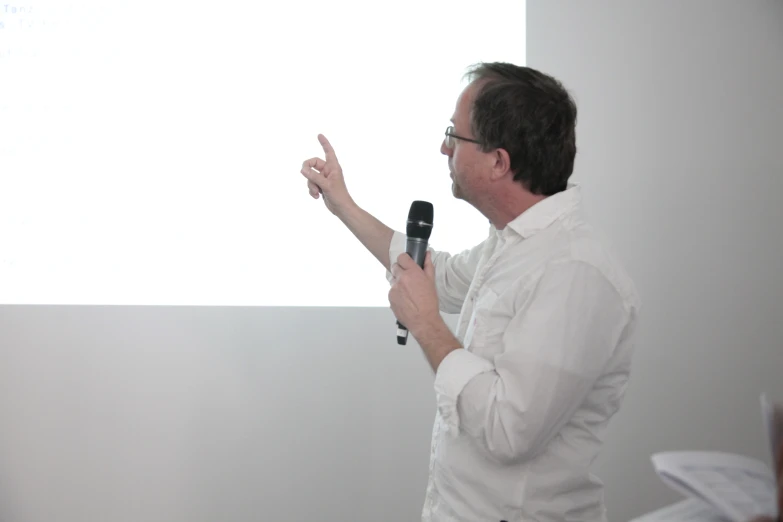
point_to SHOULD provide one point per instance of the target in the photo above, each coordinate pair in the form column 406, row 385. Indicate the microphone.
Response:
column 418, row 230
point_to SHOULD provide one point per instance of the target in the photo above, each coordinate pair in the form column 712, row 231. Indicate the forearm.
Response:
column 436, row 342
column 373, row 234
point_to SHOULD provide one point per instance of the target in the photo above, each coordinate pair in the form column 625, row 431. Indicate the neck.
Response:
column 508, row 204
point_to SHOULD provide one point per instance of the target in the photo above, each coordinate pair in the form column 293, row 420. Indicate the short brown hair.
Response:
column 531, row 116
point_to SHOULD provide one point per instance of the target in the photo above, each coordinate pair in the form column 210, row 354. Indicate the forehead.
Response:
column 464, row 105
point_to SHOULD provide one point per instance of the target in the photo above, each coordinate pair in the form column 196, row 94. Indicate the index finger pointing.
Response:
column 328, row 150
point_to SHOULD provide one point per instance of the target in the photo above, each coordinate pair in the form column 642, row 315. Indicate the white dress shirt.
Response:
column 546, row 321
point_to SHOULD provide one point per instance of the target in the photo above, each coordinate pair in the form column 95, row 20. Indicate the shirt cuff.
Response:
column 397, row 246
column 454, row 373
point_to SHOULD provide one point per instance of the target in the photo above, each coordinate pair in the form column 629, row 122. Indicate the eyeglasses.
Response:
column 450, row 137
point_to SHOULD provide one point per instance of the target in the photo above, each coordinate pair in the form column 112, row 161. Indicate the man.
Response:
column 542, row 351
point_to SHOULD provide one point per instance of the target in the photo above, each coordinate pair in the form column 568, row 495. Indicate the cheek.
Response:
column 458, row 163
column 457, row 157
column 463, row 166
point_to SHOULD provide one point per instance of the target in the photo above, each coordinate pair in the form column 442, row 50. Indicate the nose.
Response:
column 444, row 149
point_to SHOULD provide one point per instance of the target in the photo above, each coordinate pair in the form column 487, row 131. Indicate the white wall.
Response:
column 238, row 414
column 188, row 414
column 681, row 154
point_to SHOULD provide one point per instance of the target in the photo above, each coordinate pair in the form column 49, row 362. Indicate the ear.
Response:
column 501, row 166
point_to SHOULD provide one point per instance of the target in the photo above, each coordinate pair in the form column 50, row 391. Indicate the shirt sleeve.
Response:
column 555, row 348
column 453, row 273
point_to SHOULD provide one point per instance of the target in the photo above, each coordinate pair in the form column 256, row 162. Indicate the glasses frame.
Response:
column 450, row 137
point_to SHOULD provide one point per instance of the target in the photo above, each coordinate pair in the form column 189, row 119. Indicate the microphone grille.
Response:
column 420, row 220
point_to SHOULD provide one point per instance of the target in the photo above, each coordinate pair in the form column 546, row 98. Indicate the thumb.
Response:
column 429, row 268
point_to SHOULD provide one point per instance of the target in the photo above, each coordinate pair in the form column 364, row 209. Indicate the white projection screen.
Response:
column 150, row 151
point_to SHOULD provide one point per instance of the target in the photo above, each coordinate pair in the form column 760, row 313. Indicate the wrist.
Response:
column 430, row 327
column 436, row 341
column 347, row 211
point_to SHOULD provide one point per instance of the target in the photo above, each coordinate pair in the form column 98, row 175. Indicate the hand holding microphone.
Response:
column 413, row 296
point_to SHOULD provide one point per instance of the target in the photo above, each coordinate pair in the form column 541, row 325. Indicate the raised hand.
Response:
column 325, row 177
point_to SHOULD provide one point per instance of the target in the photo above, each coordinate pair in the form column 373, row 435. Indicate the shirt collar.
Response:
column 544, row 213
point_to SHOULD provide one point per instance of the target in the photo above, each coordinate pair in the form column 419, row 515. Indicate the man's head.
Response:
column 513, row 127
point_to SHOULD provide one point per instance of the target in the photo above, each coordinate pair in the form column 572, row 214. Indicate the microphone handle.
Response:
column 417, row 249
